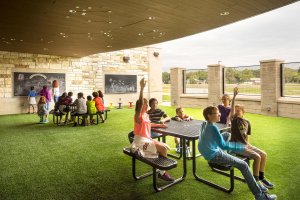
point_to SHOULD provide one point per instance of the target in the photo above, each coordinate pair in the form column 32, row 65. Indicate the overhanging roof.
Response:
column 81, row 28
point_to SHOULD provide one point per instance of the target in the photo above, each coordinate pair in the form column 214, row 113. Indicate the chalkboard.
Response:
column 116, row 84
column 23, row 82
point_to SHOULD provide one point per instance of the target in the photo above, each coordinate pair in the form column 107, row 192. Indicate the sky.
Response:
column 272, row 35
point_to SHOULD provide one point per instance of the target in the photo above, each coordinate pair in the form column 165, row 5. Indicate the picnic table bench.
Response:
column 161, row 163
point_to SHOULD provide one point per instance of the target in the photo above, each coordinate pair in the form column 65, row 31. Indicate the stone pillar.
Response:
column 270, row 86
column 215, row 84
column 176, row 85
column 154, row 74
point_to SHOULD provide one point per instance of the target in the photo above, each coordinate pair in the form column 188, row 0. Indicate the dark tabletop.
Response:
column 184, row 129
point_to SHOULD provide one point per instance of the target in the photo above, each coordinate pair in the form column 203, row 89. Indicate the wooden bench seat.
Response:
column 161, row 163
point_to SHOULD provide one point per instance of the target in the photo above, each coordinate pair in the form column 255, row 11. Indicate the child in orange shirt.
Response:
column 142, row 142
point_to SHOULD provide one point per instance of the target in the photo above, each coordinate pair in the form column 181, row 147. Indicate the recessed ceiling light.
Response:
column 224, row 13
column 83, row 13
column 89, row 21
column 72, row 11
column 110, row 22
column 109, row 11
column 84, row 10
column 90, row 8
column 21, row 40
column 108, row 46
column 77, row 6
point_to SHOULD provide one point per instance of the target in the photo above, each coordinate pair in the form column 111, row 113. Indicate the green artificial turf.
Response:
column 44, row 161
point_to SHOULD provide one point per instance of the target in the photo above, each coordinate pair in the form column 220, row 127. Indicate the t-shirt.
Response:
column 224, row 113
column 211, row 142
column 80, row 106
column 240, row 128
column 56, row 91
column 31, row 93
column 67, row 101
column 41, row 110
column 46, row 93
column 144, row 128
column 99, row 104
column 91, row 107
column 156, row 115
column 184, row 117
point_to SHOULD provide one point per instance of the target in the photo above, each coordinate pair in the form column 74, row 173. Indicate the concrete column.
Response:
column 155, row 74
column 215, row 83
column 270, row 86
column 176, row 85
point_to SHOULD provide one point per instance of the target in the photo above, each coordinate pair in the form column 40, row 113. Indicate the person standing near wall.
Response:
column 31, row 99
column 55, row 90
column 45, row 92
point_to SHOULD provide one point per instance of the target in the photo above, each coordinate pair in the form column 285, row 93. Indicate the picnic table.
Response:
column 186, row 131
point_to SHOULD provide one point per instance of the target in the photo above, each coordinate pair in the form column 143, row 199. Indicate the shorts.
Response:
column 145, row 146
column 32, row 101
column 251, row 151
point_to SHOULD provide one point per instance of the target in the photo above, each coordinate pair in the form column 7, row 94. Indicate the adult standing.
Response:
column 45, row 92
column 55, row 90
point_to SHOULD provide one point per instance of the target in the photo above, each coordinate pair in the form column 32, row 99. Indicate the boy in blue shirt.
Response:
column 211, row 145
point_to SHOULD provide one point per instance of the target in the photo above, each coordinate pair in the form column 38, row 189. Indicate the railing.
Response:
column 290, row 79
column 195, row 81
column 246, row 78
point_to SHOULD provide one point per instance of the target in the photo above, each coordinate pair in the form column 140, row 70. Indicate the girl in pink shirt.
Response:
column 143, row 142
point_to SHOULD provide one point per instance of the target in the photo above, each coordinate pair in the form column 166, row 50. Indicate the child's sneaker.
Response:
column 166, row 177
column 267, row 183
column 177, row 148
column 262, row 187
column 266, row 196
column 188, row 152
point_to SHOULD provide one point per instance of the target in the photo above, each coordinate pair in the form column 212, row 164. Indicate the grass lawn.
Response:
column 43, row 161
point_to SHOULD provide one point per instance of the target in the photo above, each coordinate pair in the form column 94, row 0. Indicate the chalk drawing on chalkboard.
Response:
column 23, row 82
column 116, row 84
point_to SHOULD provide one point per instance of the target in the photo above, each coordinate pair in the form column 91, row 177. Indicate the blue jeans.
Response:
column 47, row 105
column 56, row 99
column 224, row 158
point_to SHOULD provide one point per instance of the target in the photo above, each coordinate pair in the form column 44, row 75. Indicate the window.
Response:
column 290, row 75
column 195, row 81
column 246, row 78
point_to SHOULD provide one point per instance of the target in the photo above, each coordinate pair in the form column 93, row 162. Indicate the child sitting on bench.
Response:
column 80, row 107
column 142, row 143
column 240, row 129
column 211, row 145
column 181, row 116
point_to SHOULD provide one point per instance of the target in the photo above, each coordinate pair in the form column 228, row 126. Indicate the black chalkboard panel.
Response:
column 23, row 82
column 116, row 84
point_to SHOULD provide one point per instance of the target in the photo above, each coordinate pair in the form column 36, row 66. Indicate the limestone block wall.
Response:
column 193, row 101
column 289, row 108
column 82, row 74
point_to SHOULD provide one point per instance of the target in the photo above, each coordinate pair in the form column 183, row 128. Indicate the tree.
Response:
column 166, row 78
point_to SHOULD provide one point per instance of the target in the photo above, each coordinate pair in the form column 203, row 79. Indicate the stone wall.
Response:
column 82, row 74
